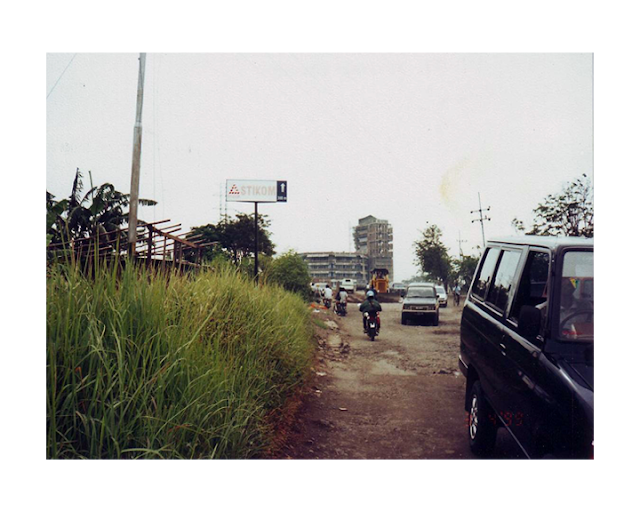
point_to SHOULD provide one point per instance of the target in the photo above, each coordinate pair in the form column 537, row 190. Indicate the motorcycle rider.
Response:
column 328, row 295
column 341, row 298
column 371, row 306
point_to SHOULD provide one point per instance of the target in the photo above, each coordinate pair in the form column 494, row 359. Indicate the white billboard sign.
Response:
column 257, row 191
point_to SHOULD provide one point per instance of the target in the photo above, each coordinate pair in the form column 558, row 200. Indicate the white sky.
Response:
column 411, row 137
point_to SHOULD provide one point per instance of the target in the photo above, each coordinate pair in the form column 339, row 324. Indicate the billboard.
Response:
column 257, row 191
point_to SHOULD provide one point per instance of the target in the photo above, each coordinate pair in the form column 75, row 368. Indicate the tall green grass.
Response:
column 144, row 365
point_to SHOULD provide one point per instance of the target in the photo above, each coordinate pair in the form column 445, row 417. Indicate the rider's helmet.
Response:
column 370, row 294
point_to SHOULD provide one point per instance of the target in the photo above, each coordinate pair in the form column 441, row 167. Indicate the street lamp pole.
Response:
column 135, row 165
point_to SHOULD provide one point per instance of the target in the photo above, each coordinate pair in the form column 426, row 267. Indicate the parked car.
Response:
column 442, row 296
column 421, row 302
column 398, row 288
column 526, row 346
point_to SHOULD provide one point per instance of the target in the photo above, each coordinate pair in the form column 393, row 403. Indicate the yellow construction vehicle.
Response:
column 380, row 280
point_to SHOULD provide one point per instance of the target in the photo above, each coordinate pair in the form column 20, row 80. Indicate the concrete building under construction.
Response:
column 373, row 238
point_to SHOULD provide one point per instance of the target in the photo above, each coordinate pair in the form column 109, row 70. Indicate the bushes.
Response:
column 291, row 272
column 152, row 366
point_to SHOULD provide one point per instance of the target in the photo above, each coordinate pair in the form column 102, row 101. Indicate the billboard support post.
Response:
column 255, row 263
column 256, row 191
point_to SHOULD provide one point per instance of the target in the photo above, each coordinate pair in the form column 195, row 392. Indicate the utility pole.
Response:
column 482, row 218
column 460, row 243
column 135, row 166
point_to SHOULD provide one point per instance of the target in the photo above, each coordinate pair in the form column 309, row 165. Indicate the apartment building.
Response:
column 331, row 267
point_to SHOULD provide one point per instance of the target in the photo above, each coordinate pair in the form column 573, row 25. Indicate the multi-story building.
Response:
column 374, row 239
column 331, row 267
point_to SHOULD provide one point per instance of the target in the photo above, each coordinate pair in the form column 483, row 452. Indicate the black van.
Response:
column 526, row 346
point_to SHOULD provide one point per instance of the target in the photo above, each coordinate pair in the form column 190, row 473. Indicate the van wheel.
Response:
column 482, row 430
column 436, row 321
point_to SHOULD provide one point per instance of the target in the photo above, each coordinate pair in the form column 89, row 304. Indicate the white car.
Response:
column 442, row 296
column 349, row 285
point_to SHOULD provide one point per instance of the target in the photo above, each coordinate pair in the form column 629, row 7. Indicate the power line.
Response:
column 65, row 70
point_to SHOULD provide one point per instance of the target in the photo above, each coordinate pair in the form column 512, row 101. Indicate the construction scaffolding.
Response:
column 160, row 248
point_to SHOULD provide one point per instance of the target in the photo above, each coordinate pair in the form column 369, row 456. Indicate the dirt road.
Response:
column 399, row 397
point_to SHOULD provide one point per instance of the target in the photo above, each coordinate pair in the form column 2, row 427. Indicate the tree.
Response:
column 569, row 213
column 432, row 256
column 291, row 272
column 101, row 211
column 463, row 270
column 236, row 238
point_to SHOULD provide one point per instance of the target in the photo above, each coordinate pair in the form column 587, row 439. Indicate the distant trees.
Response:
column 236, row 238
column 463, row 270
column 437, row 265
column 432, row 256
column 569, row 213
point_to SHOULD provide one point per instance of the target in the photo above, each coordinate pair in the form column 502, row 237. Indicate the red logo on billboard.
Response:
column 234, row 191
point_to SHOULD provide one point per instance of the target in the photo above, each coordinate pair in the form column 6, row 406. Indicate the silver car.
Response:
column 442, row 296
column 421, row 302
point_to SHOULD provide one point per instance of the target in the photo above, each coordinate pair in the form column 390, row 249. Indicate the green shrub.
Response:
column 291, row 272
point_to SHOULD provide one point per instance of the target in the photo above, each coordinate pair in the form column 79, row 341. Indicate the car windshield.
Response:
column 440, row 290
column 574, row 310
column 421, row 293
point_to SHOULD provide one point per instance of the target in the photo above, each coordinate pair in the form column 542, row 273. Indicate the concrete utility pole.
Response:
column 135, row 166
column 482, row 218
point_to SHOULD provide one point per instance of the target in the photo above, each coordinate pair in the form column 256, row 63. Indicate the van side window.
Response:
column 532, row 290
column 499, row 292
column 481, row 283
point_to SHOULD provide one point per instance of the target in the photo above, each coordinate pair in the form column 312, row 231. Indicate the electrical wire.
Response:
column 65, row 70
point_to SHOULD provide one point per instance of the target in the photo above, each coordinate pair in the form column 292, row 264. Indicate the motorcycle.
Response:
column 373, row 325
column 327, row 303
column 341, row 308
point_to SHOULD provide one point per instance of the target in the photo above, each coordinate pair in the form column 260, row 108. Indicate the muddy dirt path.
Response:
column 399, row 397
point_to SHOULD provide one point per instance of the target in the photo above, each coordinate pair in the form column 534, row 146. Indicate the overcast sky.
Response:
column 411, row 138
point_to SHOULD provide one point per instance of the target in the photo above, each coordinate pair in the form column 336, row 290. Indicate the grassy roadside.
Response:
column 150, row 366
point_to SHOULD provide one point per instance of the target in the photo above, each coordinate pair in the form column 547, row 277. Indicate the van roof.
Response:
column 550, row 242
